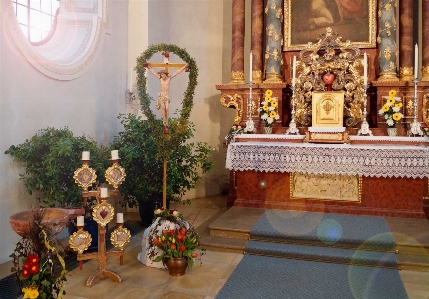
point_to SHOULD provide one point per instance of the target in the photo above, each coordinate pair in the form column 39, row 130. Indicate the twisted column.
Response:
column 257, row 35
column 273, row 31
column 237, row 59
column 386, row 39
column 406, row 72
column 425, row 40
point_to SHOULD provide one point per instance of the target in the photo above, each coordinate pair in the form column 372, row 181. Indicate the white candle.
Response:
column 80, row 221
column 365, row 69
column 416, row 60
column 119, row 218
column 85, row 155
column 104, row 193
column 251, row 61
column 115, row 155
column 293, row 71
column 130, row 80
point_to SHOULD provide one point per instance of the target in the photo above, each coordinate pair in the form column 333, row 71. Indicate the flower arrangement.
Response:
column 425, row 131
column 170, row 215
column 391, row 110
column 268, row 110
column 236, row 129
column 39, row 268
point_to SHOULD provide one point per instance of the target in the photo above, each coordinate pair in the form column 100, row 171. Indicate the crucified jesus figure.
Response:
column 163, row 97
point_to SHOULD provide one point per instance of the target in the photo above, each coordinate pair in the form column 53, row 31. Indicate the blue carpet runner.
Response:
column 294, row 254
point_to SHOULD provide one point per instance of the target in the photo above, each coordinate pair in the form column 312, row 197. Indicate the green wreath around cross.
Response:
column 178, row 126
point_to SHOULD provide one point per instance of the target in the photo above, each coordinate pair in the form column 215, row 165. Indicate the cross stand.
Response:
column 415, row 126
column 364, row 127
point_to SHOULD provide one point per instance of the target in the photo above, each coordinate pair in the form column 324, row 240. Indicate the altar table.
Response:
column 394, row 178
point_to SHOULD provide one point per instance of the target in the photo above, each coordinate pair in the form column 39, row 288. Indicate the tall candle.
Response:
column 365, row 69
column 104, row 193
column 251, row 61
column 416, row 60
column 80, row 221
column 115, row 155
column 85, row 155
column 293, row 71
column 119, row 218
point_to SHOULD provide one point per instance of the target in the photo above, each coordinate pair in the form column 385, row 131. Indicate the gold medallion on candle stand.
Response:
column 115, row 175
column 85, row 176
column 80, row 241
column 120, row 237
column 103, row 213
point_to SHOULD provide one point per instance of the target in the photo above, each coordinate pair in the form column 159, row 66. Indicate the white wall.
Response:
column 30, row 101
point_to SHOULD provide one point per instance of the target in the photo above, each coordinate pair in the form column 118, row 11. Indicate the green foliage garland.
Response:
column 165, row 145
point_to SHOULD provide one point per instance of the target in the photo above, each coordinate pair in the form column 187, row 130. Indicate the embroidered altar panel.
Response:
column 364, row 159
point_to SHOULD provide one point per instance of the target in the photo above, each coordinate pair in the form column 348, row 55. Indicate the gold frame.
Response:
column 82, row 234
column 100, row 208
column 81, row 180
column 323, row 102
column 114, row 237
column 115, row 179
column 289, row 30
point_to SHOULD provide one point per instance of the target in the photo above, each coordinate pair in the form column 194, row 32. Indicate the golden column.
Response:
column 406, row 72
column 257, row 35
column 425, row 40
column 237, row 59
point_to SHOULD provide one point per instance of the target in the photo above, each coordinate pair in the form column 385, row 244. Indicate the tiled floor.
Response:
column 203, row 281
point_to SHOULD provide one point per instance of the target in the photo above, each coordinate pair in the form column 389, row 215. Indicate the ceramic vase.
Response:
column 392, row 131
column 176, row 266
column 268, row 130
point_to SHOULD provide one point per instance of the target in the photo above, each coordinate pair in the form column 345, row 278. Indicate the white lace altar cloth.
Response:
column 314, row 158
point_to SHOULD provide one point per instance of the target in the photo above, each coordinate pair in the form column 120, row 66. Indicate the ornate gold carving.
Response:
column 237, row 77
column 257, row 76
column 120, row 237
column 84, row 176
column 425, row 73
column 326, row 187
column 387, row 53
column 410, row 107
column 406, row 73
column 425, row 109
column 388, row 76
column 234, row 101
column 80, row 241
column 115, row 175
column 327, row 109
column 103, row 213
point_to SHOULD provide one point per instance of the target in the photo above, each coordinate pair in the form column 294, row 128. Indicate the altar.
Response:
column 358, row 178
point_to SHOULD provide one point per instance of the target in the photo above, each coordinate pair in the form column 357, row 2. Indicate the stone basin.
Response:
column 55, row 219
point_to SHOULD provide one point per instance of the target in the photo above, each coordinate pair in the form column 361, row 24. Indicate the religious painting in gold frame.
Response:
column 327, row 108
column 115, row 175
column 306, row 19
column 80, row 241
column 120, row 237
column 103, row 213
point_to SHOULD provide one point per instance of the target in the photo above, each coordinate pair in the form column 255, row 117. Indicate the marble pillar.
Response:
column 257, row 35
column 237, row 58
column 386, row 39
column 274, row 41
column 406, row 46
column 425, row 40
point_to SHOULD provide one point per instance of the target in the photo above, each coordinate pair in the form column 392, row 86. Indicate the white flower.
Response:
column 390, row 122
column 386, row 116
column 264, row 116
column 277, row 116
column 270, row 120
column 395, row 109
column 158, row 211
column 175, row 213
column 271, row 108
column 381, row 112
column 388, row 104
column 264, row 103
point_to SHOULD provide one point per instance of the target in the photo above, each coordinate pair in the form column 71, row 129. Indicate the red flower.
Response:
column 170, row 232
column 25, row 273
column 33, row 258
column 34, row 268
column 26, row 265
column 182, row 248
column 165, row 241
column 183, row 231
column 154, row 241
column 164, row 231
column 173, row 246
column 180, row 238
column 195, row 255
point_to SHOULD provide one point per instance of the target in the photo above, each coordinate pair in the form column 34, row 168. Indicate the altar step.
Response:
column 230, row 232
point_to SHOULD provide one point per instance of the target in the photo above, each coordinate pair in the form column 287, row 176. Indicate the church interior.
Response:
column 315, row 113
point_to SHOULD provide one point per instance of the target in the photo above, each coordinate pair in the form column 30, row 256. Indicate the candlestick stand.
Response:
column 102, row 213
column 250, row 125
column 415, row 126
column 364, row 127
column 292, row 124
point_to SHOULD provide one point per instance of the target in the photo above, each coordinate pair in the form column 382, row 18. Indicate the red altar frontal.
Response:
column 371, row 176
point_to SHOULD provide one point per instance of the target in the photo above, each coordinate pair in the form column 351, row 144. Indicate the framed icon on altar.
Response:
column 80, row 241
column 304, row 20
column 120, row 237
column 85, row 176
column 115, row 175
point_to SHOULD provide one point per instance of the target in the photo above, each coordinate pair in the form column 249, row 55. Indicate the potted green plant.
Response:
column 140, row 158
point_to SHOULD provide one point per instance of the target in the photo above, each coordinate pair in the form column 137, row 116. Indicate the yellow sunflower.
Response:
column 385, row 108
column 392, row 93
column 265, row 107
column 398, row 105
column 267, row 99
column 273, row 114
column 274, row 103
column 269, row 92
column 391, row 100
column 396, row 116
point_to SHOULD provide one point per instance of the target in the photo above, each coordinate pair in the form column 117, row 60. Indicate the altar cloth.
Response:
column 361, row 159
